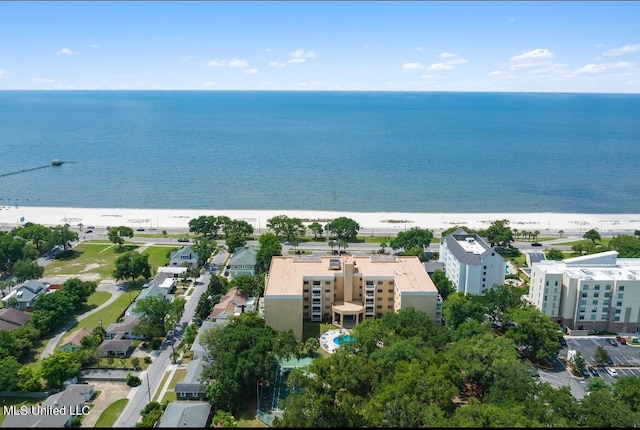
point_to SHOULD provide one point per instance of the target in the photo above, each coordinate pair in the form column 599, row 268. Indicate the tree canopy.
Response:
column 131, row 265
column 415, row 237
column 287, row 229
column 344, row 228
column 117, row 234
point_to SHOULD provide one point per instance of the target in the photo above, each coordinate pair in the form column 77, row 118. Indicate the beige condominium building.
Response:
column 345, row 290
column 591, row 292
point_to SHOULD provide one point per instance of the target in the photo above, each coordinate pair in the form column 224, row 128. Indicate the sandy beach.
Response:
column 178, row 219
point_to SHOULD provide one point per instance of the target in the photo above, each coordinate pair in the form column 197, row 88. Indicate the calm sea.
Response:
column 352, row 151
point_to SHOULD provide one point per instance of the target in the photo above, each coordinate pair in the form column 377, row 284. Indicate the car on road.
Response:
column 90, row 226
column 612, row 341
column 622, row 340
column 536, row 244
column 594, row 371
column 88, row 231
column 563, row 341
column 183, row 239
column 611, row 372
column 585, row 372
column 139, row 229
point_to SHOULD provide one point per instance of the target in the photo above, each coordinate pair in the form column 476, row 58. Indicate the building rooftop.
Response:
column 186, row 414
column 12, row 318
column 597, row 267
column 76, row 337
column 287, row 274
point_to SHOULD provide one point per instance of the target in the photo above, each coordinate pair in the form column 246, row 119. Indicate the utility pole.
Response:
column 148, row 388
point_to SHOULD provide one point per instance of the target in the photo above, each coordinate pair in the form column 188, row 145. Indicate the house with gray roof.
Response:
column 152, row 290
column 11, row 319
column 66, row 403
column 116, row 346
column 243, row 262
column 27, row 293
column 470, row 263
column 186, row 414
column 190, row 388
column 197, row 348
column 72, row 342
column 125, row 328
column 185, row 257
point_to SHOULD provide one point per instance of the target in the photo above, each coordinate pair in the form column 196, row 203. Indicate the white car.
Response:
column 611, row 372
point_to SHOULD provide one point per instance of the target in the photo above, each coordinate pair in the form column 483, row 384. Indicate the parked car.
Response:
column 585, row 372
column 536, row 244
column 88, row 231
column 611, row 372
column 563, row 341
column 139, row 229
column 622, row 340
column 183, row 239
column 612, row 341
column 594, row 371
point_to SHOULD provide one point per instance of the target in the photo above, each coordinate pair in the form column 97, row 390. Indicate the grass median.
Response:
column 109, row 416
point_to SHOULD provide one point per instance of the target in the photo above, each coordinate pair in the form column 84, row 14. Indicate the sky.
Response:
column 540, row 46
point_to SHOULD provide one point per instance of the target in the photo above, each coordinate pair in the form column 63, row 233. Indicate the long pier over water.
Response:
column 54, row 163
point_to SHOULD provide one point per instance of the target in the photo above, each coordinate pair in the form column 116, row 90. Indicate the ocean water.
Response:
column 351, row 151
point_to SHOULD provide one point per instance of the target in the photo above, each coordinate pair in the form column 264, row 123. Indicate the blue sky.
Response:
column 380, row 46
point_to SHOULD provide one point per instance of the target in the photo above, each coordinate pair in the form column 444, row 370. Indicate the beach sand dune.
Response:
column 178, row 219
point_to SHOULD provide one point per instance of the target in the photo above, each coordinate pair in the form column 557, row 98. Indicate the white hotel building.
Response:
column 591, row 292
column 470, row 263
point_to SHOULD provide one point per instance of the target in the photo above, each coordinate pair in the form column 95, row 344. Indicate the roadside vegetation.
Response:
column 109, row 416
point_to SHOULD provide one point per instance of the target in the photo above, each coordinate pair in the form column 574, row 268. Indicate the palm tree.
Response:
column 561, row 232
column 80, row 225
column 535, row 234
column 515, row 233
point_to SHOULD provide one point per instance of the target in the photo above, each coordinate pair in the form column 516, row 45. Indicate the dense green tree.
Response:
column 497, row 300
column 223, row 419
column 175, row 312
column 592, row 235
column 285, row 228
column 117, row 234
column 29, row 379
column 9, row 378
column 62, row 236
column 601, row 356
column 459, row 308
column 59, row 367
column 250, row 285
column 498, row 234
column 205, row 247
column 153, row 313
column 450, row 230
column 78, row 289
column 316, row 229
column 208, row 226
column 415, row 237
column 442, row 283
column 344, row 228
column 602, row 409
column 533, row 330
column 39, row 235
column 627, row 389
column 239, row 354
column 594, row 384
column 555, row 254
column 477, row 414
column 24, row 270
column 578, row 364
column 131, row 265
column 240, row 227
column 627, row 246
column 269, row 247
column 151, row 414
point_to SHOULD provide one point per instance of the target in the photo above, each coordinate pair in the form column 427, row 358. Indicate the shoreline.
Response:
column 162, row 219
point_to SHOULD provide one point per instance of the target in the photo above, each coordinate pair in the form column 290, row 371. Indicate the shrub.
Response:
column 133, row 381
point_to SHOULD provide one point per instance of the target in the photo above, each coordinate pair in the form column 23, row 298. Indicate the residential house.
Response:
column 185, row 257
column 432, row 266
column 591, row 292
column 11, row 319
column 243, row 262
column 67, row 403
column 197, row 348
column 72, row 342
column 174, row 272
column 232, row 303
column 166, row 281
column 190, row 388
column 116, row 346
column 27, row 293
column 345, row 290
column 186, row 414
column 470, row 263
column 152, row 290
column 125, row 327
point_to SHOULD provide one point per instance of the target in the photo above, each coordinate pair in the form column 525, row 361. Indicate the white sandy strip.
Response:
column 543, row 222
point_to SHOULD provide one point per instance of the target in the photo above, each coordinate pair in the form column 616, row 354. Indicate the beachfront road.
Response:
column 142, row 395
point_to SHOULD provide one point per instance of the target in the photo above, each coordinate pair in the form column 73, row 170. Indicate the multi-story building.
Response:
column 470, row 263
column 345, row 290
column 591, row 292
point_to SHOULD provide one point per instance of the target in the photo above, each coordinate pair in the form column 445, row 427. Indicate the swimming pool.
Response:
column 341, row 340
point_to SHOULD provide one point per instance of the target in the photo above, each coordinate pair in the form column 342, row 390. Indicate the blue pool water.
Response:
column 341, row 340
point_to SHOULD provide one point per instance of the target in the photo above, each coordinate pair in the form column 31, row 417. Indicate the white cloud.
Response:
column 250, row 72
column 427, row 76
column 413, row 66
column 440, row 66
column 42, row 80
column 457, row 61
column 551, row 69
column 217, row 63
column 277, row 64
column 210, row 84
column 496, row 73
column 534, row 54
column 95, row 45
column 419, row 49
column 627, row 49
column 67, row 51
column 2, row 74
column 605, row 67
column 300, row 56
column 267, row 50
column 599, row 45
column 235, row 63
column 447, row 55
column 528, row 65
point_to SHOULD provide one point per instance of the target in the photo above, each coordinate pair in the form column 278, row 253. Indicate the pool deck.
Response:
column 327, row 339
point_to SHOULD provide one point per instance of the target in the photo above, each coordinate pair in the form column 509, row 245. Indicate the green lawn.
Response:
column 98, row 298
column 111, row 413
column 109, row 314
column 604, row 242
column 161, row 386
column 158, row 255
column 177, row 377
column 169, row 396
column 88, row 258
column 118, row 364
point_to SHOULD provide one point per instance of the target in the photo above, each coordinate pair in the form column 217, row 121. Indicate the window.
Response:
column 607, row 287
column 593, row 317
column 556, row 283
column 606, row 302
column 597, row 288
column 328, row 290
column 484, row 267
column 607, row 294
column 581, row 317
column 621, row 288
column 584, row 294
column 306, row 282
column 596, row 294
column 585, row 287
column 582, row 310
column 546, row 283
column 620, row 295
column 390, row 299
column 603, row 316
column 327, row 282
column 583, row 301
column 379, row 290
column 390, row 307
column 616, row 319
column 594, row 309
column 379, row 282
column 306, row 290
column 379, row 307
column 618, row 303
column 618, row 311
column 379, row 299
column 594, row 301
column 306, row 306
column 390, row 290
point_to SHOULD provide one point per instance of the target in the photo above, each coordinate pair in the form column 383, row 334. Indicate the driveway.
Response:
column 110, row 392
